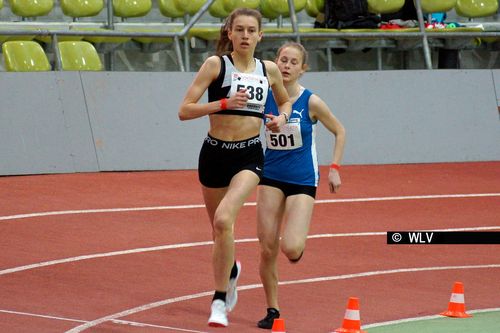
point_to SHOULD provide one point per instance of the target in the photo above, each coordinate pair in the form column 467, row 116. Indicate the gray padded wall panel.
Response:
column 496, row 81
column 104, row 121
column 411, row 116
column 33, row 129
column 76, row 118
column 135, row 123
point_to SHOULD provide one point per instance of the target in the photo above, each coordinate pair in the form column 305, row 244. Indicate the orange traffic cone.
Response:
column 456, row 306
column 278, row 326
column 351, row 322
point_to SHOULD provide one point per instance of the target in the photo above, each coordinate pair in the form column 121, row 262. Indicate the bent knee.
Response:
column 292, row 251
column 222, row 226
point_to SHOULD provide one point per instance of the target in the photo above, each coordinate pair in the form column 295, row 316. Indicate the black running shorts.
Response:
column 289, row 189
column 220, row 160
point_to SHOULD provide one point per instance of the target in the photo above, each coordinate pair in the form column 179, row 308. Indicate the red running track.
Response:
column 78, row 263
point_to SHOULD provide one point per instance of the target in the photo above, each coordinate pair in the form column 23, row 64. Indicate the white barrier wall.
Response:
column 59, row 122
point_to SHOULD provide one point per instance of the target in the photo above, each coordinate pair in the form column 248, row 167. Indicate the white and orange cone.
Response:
column 456, row 306
column 278, row 326
column 352, row 318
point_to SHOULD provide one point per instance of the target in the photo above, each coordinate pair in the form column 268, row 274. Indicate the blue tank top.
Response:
column 291, row 154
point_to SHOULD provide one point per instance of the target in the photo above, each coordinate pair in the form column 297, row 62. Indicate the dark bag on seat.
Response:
column 352, row 14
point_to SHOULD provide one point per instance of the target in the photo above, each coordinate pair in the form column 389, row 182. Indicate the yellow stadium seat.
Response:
column 267, row 10
column 28, row 36
column 189, row 6
column 476, row 8
column 314, row 7
column 300, row 5
column 272, row 9
column 79, row 56
column 81, row 8
column 385, row 6
column 31, row 8
column 168, row 8
column 254, row 4
column 218, row 10
column 221, row 8
column 281, row 6
column 131, row 8
column 437, row 6
column 24, row 56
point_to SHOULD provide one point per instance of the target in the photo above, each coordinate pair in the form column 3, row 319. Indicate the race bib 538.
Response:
column 256, row 88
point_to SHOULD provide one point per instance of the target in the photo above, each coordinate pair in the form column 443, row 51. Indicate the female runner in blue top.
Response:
column 231, row 158
column 288, row 187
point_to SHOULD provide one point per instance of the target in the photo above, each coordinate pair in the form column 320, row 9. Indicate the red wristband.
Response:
column 335, row 166
column 223, row 104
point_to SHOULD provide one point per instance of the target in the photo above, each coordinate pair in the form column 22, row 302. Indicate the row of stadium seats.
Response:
column 270, row 9
column 464, row 8
column 152, row 37
column 168, row 8
column 29, row 56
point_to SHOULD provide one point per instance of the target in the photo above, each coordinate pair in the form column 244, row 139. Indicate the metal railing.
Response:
column 296, row 34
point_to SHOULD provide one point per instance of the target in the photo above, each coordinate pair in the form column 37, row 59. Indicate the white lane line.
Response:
column 117, row 321
column 102, row 255
column 130, row 209
column 408, row 320
column 205, row 243
column 380, row 233
column 42, row 316
column 92, row 211
column 170, row 328
column 137, row 324
column 153, row 305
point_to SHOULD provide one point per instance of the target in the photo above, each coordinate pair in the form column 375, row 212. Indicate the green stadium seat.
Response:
column 437, row 6
column 385, row 6
column 24, row 56
column 267, row 10
column 87, row 8
column 29, row 36
column 77, row 9
column 299, row 5
column 190, row 7
column 168, row 9
column 222, row 8
column 79, row 56
column 217, row 9
column 131, row 8
column 272, row 9
column 314, row 7
column 281, row 6
column 254, row 4
column 476, row 8
column 31, row 8
column 81, row 8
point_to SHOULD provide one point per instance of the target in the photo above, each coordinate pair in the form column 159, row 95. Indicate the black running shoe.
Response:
column 268, row 321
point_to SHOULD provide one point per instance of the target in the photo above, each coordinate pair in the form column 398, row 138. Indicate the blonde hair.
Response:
column 297, row 46
column 224, row 45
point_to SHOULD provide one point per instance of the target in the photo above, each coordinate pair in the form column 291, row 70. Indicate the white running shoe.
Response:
column 218, row 317
column 232, row 292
